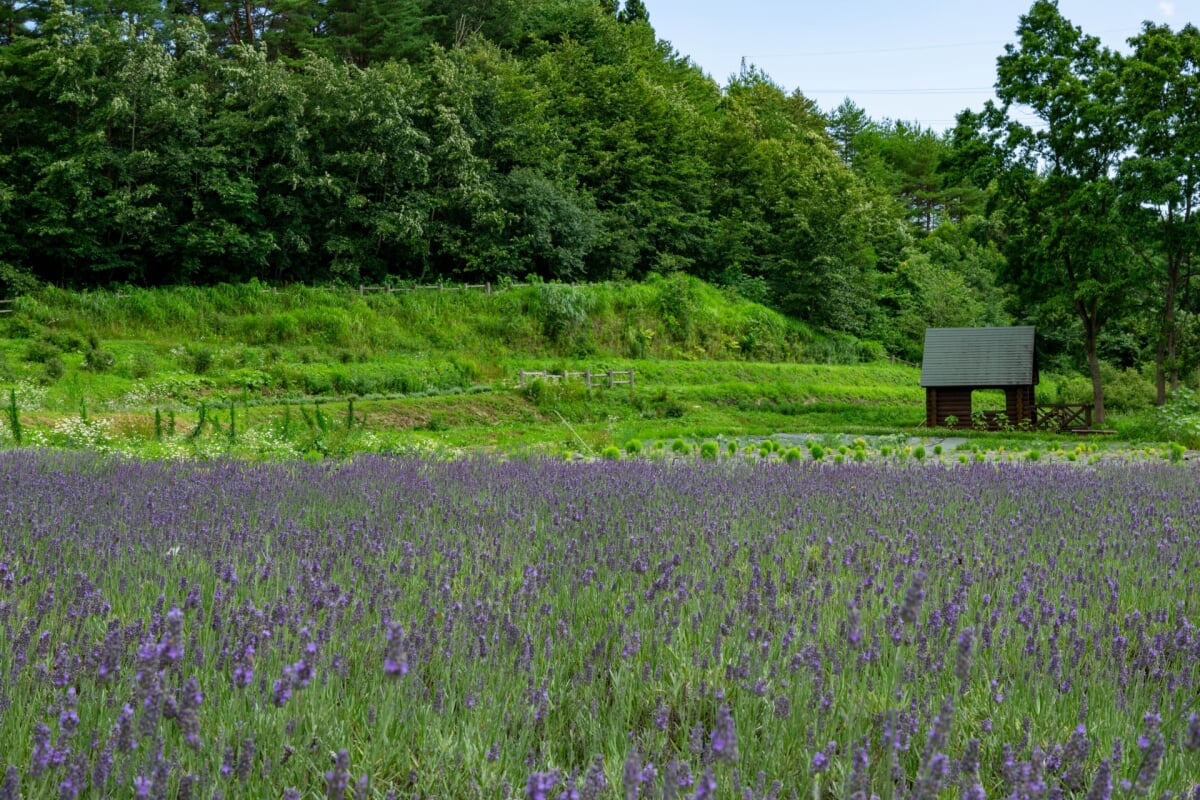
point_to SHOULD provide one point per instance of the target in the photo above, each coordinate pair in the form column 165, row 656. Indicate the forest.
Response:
column 168, row 142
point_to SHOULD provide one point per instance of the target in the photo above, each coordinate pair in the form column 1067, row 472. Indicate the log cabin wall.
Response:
column 947, row 401
column 1019, row 405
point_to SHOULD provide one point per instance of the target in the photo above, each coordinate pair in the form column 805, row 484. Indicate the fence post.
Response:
column 610, row 379
column 488, row 287
column 587, row 378
column 631, row 379
column 521, row 379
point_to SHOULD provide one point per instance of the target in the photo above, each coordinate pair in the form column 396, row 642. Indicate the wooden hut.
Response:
column 959, row 361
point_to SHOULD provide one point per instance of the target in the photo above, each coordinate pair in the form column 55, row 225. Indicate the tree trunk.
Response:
column 1166, row 371
column 1091, row 334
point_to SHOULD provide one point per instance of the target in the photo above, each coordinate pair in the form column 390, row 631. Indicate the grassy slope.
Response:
column 250, row 371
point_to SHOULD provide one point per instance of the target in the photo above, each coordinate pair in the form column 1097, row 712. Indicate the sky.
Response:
column 917, row 61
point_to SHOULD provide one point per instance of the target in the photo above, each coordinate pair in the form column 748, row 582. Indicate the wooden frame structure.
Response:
column 959, row 361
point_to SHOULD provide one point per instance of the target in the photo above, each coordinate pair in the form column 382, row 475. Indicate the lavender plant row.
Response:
column 488, row 628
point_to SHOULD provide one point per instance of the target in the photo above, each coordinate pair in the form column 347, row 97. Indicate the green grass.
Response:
column 160, row 372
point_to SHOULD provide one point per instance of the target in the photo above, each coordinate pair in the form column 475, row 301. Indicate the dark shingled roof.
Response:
column 982, row 357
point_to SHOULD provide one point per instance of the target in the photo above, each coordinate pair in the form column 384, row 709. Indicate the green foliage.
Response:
column 1127, row 390
column 14, row 416
column 1179, row 419
column 710, row 450
column 53, row 369
column 611, row 453
column 561, row 309
column 633, row 447
column 200, row 359
column 98, row 360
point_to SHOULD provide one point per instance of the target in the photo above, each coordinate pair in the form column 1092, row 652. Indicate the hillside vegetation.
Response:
column 165, row 144
column 251, row 370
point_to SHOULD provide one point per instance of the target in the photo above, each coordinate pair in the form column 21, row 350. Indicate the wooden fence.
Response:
column 609, row 378
column 487, row 287
column 1064, row 417
column 3, row 304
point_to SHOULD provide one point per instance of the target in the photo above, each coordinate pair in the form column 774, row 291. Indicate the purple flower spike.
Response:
column 540, row 785
column 1102, row 786
column 395, row 661
column 913, row 597
column 338, row 778
column 11, row 788
column 1191, row 739
column 724, row 736
column 706, row 787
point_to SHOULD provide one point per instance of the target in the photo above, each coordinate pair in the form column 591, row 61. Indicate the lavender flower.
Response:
column 540, row 785
column 913, row 597
column 594, row 783
column 1191, row 739
column 724, row 736
column 395, row 660
column 1075, row 755
column 962, row 664
column 10, row 789
column 1102, row 785
column 338, row 778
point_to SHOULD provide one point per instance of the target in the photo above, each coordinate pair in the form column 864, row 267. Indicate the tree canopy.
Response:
column 154, row 143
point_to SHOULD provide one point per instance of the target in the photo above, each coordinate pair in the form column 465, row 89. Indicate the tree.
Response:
column 846, row 124
column 903, row 159
column 1161, row 180
column 634, row 12
column 1069, row 245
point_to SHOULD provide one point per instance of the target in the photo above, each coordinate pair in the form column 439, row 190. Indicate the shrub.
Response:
column 39, row 351
column 678, row 304
column 201, row 359
column 793, row 454
column 99, row 360
column 1127, row 390
column 141, row 365
column 817, row 452
column 919, row 452
column 633, row 447
column 561, row 309
column 678, row 446
column 54, row 369
column 709, row 450
column 611, row 453
column 1179, row 419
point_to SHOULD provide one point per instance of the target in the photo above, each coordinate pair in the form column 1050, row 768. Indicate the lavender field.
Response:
column 636, row 629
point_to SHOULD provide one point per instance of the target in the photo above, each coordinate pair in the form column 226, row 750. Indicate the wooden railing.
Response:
column 6, row 303
column 1064, row 416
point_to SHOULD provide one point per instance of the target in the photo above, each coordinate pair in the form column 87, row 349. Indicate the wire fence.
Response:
column 609, row 378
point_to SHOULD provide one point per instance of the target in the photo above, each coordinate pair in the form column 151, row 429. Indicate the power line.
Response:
column 958, row 90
